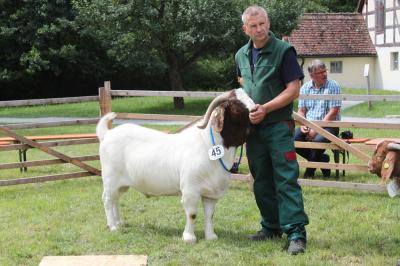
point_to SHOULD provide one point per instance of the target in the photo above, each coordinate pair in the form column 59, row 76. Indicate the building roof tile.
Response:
column 332, row 34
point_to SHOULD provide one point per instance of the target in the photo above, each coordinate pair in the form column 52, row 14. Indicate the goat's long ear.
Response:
column 217, row 120
column 388, row 166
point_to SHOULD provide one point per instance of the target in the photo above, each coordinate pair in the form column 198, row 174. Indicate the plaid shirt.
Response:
column 317, row 109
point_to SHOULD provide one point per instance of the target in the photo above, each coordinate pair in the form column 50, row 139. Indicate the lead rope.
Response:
column 235, row 166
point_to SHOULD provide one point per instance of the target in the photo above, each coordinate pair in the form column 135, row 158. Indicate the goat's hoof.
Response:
column 113, row 228
column 212, row 237
column 189, row 239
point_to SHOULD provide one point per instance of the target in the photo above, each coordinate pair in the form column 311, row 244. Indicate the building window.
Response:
column 336, row 67
column 380, row 16
column 394, row 59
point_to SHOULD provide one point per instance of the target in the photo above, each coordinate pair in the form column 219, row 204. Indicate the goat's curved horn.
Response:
column 217, row 101
column 393, row 147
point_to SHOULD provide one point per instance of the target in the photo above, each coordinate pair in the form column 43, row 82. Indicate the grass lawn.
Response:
column 67, row 217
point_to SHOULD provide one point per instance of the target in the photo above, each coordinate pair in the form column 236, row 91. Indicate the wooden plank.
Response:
column 54, row 137
column 316, row 145
column 39, row 179
column 47, row 162
column 157, row 117
column 324, row 184
column 356, row 140
column 363, row 146
column 52, row 152
column 98, row 260
column 54, row 124
column 213, row 94
column 328, row 146
column 49, row 144
column 32, row 102
column 334, row 166
column 377, row 140
column 341, row 185
column 359, row 154
column 350, row 124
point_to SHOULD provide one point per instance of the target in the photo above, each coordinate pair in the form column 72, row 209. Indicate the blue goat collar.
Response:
column 235, row 166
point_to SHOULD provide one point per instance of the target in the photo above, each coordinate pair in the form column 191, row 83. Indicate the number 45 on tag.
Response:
column 216, row 152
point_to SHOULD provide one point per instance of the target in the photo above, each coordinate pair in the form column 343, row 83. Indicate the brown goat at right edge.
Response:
column 385, row 161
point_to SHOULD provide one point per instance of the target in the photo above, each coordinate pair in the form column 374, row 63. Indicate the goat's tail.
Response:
column 102, row 126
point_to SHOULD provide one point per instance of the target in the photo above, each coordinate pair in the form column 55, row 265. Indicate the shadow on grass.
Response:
column 358, row 244
column 229, row 237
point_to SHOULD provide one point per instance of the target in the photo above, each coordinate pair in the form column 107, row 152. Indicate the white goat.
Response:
column 158, row 164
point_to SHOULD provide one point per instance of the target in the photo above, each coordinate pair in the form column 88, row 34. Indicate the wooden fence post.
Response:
column 105, row 100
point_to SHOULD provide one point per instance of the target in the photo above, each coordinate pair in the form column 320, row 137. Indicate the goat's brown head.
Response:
column 230, row 117
column 385, row 161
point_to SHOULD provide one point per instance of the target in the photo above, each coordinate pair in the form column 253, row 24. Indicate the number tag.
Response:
column 216, row 152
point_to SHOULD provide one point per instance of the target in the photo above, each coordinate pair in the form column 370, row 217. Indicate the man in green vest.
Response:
column 270, row 74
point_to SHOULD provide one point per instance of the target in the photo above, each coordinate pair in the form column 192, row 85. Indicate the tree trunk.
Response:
column 179, row 103
column 175, row 80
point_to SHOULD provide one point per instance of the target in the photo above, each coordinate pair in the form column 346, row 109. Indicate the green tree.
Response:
column 284, row 15
column 41, row 49
column 341, row 5
column 161, row 35
column 315, row 6
column 332, row 6
column 59, row 47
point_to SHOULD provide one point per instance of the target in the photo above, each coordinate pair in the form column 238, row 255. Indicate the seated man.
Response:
column 314, row 110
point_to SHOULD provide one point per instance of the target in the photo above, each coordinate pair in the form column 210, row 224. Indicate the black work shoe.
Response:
column 326, row 172
column 309, row 173
column 264, row 235
column 296, row 246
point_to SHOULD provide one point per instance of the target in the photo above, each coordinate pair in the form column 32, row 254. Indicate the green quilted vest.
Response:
column 265, row 82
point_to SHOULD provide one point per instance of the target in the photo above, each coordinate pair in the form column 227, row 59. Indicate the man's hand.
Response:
column 304, row 129
column 257, row 114
column 311, row 135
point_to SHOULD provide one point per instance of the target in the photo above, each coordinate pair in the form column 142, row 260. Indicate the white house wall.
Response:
column 353, row 71
column 385, row 44
column 386, row 78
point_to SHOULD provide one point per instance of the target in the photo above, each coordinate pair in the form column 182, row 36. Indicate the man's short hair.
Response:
column 316, row 64
column 253, row 11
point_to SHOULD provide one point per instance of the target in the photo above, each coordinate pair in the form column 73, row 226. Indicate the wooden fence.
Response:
column 105, row 104
column 357, row 149
column 22, row 144
column 48, row 101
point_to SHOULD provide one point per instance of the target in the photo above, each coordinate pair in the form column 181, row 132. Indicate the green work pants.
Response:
column 274, row 167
